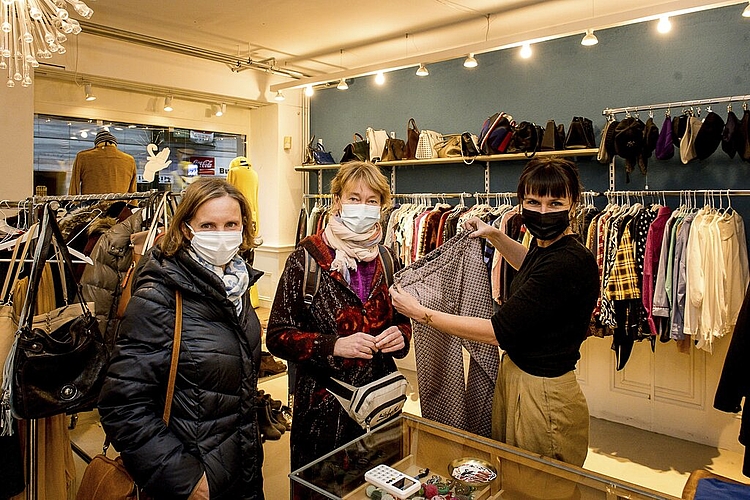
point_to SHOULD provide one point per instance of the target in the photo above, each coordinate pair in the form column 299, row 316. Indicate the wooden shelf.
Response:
column 458, row 159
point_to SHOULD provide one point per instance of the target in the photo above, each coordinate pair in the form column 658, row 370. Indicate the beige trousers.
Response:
column 548, row 416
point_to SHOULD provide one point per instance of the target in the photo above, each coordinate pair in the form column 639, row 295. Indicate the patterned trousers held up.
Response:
column 453, row 279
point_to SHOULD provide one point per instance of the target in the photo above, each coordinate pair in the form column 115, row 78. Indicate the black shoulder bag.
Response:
column 57, row 369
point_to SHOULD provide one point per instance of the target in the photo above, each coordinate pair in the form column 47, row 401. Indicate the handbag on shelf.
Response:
column 394, row 149
column 496, row 133
column 376, row 139
column 580, row 134
column 426, row 144
column 449, row 147
column 59, row 367
column 107, row 479
column 527, row 139
column 469, row 147
column 412, row 139
column 317, row 154
column 357, row 150
column 373, row 403
column 554, row 136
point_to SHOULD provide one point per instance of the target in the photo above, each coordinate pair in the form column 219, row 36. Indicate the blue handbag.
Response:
column 317, row 154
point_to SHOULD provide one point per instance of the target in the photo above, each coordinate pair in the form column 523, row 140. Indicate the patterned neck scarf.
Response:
column 350, row 246
column 234, row 275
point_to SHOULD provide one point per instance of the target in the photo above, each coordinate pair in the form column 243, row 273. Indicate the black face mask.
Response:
column 547, row 226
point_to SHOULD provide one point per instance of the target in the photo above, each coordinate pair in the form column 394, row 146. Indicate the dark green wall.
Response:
column 706, row 55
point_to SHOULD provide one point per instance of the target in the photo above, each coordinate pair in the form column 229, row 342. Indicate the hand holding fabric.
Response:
column 405, row 303
column 478, row 228
column 357, row 345
column 390, row 340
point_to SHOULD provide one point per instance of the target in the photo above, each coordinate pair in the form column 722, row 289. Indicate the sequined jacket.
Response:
column 305, row 335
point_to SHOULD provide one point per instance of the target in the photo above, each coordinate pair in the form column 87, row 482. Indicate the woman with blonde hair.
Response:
column 348, row 328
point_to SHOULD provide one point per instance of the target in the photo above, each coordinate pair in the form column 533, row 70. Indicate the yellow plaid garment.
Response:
column 623, row 281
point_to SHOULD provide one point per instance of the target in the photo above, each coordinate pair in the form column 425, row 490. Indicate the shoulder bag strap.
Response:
column 172, row 365
column 17, row 260
column 175, row 356
column 387, row 260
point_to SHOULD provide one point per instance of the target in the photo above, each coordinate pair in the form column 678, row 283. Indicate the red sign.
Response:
column 206, row 164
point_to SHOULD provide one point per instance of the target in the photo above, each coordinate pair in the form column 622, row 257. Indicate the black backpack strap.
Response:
column 387, row 260
column 311, row 279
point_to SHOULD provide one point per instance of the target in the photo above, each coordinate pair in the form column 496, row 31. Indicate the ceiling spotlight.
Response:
column 470, row 62
column 526, row 50
column 665, row 25
column 309, row 91
column 589, row 39
column 222, row 109
column 746, row 12
column 89, row 94
column 279, row 96
column 342, row 85
column 168, row 103
column 422, row 71
column 380, row 78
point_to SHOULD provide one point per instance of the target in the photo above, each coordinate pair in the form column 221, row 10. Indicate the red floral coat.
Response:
column 305, row 335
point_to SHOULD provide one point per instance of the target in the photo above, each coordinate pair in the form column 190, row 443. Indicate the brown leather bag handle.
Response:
column 172, row 365
column 175, row 356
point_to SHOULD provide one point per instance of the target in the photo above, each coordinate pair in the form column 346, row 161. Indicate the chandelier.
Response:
column 31, row 30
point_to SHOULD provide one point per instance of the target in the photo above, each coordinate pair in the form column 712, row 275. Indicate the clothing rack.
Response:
column 682, row 192
column 678, row 104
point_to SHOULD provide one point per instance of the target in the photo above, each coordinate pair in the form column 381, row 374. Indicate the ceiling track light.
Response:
column 279, row 96
column 89, row 94
column 168, row 103
column 342, row 84
column 746, row 12
column 422, row 71
column 664, row 25
column 309, row 91
column 222, row 109
column 470, row 61
column 589, row 39
column 526, row 50
column 380, row 78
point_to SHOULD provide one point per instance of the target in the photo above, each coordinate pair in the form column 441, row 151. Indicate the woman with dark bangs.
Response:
column 538, row 404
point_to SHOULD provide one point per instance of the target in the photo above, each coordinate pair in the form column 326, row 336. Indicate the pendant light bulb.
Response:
column 422, row 71
column 89, row 94
column 379, row 78
column 526, row 50
column 589, row 39
column 279, row 96
column 168, row 103
column 222, row 109
column 746, row 12
column 665, row 25
column 342, row 84
column 470, row 62
column 309, row 91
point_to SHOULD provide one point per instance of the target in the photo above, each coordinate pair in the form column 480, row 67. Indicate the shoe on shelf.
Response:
column 267, row 428
column 270, row 365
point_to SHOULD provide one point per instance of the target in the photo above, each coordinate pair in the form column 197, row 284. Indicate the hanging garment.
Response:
column 453, row 279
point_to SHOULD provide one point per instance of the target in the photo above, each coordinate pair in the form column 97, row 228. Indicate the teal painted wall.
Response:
column 706, row 55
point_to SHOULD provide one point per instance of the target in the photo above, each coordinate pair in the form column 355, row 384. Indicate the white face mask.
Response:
column 217, row 247
column 359, row 217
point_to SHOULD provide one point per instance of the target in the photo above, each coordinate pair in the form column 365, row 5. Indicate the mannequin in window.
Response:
column 242, row 176
column 103, row 168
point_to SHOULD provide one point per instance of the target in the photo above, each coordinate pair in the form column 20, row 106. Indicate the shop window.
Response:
column 57, row 141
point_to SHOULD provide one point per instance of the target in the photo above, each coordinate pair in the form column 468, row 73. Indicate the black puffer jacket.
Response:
column 214, row 427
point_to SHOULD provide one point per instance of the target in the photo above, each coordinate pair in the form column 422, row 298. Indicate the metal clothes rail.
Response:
column 678, row 104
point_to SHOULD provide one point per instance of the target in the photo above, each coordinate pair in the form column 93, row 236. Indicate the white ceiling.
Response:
column 334, row 36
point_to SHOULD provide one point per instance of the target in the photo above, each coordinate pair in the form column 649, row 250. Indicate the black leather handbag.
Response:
column 527, row 139
column 580, row 134
column 554, row 136
column 57, row 370
column 357, row 150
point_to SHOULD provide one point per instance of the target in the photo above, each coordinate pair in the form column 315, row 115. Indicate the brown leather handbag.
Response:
column 412, row 138
column 106, row 478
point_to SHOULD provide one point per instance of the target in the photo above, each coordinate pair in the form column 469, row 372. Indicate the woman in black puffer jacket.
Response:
column 212, row 444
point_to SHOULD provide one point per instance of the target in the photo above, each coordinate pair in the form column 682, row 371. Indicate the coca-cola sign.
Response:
column 206, row 164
